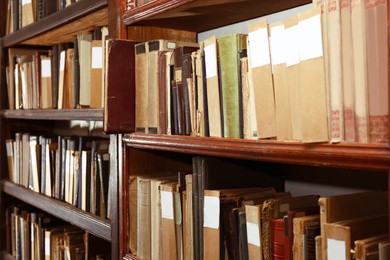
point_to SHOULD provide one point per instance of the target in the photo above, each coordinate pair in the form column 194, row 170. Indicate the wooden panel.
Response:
column 146, row 33
column 201, row 15
column 77, row 217
column 55, row 114
column 355, row 156
column 62, row 24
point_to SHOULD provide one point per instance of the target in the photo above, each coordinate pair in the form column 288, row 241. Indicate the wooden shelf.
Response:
column 62, row 26
column 202, row 15
column 342, row 155
column 55, row 114
column 77, row 217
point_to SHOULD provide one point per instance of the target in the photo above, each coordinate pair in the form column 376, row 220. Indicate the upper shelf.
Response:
column 62, row 26
column 202, row 15
column 95, row 114
column 344, row 155
column 77, row 217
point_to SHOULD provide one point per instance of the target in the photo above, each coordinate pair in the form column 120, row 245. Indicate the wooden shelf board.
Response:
column 342, row 155
column 62, row 26
column 202, row 15
column 55, row 114
column 77, row 217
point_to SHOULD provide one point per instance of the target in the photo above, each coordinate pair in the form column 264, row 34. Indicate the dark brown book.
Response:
column 55, row 74
column 183, row 108
column 309, row 247
column 120, row 89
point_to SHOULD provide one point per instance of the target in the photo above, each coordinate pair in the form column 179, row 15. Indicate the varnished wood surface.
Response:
column 77, row 217
column 201, row 15
column 63, row 25
column 55, row 114
column 344, row 155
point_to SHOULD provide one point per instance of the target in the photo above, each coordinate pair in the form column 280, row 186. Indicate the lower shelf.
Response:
column 77, row 217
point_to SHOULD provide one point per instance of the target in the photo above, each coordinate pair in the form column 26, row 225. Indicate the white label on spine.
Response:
column 166, row 205
column 259, row 48
column 253, row 233
column 25, row 2
column 310, row 38
column 292, row 48
column 47, row 246
column 46, row 68
column 211, row 60
column 97, row 58
column 336, row 249
column 211, row 212
column 62, row 61
column 278, row 45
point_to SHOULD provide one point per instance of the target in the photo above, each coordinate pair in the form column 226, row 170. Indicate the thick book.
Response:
column 309, row 247
column 120, row 60
column 261, row 77
column 229, row 47
column 97, row 91
column 46, row 82
column 27, row 14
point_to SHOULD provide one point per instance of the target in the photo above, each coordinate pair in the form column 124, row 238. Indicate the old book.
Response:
column 163, row 93
column 253, row 226
column 365, row 246
column 292, row 70
column 97, row 54
column 103, row 163
column 188, row 224
column 27, row 14
column 309, row 246
column 277, row 40
column 61, row 80
column 242, row 232
column 229, row 47
column 342, row 207
column 69, row 88
column 9, row 143
column 141, row 92
column 313, row 99
column 213, row 87
column 348, row 71
column 201, row 99
column 360, row 65
column 299, row 227
column 55, row 74
column 85, row 45
column 383, row 250
column 377, row 70
column 335, row 70
column 278, row 242
column 46, row 82
column 261, row 78
column 25, row 159
column 117, row 101
column 340, row 236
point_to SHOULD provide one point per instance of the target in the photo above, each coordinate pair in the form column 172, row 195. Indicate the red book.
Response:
column 277, row 239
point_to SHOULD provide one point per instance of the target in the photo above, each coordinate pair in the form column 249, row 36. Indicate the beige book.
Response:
column 34, row 164
column 143, row 218
column 365, row 246
column 335, row 71
column 104, row 61
column 213, row 88
column 141, row 92
column 318, row 247
column 340, row 236
column 261, row 78
column 69, row 88
column 377, row 68
column 25, row 159
column 96, row 72
column 198, row 78
column 26, row 88
column 360, row 65
column 277, row 41
column 348, row 71
column 9, row 144
column 188, row 228
column 169, row 62
column 132, row 215
column 46, row 83
column 61, row 80
column 312, row 78
column 253, row 227
column 293, row 75
column 84, row 41
column 299, row 225
column 27, row 12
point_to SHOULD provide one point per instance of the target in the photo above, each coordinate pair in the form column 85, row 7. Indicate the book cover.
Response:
column 97, row 54
column 85, row 46
column 141, row 92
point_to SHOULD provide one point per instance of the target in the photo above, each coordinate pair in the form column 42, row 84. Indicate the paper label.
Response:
column 167, row 205
column 292, row 48
column 336, row 249
column 25, row 2
column 310, row 38
column 211, row 60
column 171, row 45
column 284, row 207
column 47, row 246
column 211, row 212
column 277, row 45
column 46, row 68
column 97, row 58
column 253, row 233
column 259, row 48
column 62, row 61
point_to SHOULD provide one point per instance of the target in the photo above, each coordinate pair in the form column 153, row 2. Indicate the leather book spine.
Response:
column 162, row 93
column 277, row 239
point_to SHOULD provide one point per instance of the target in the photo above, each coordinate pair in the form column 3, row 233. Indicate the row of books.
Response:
column 169, row 220
column 71, row 169
column 69, row 75
column 38, row 236
column 256, row 86
column 21, row 13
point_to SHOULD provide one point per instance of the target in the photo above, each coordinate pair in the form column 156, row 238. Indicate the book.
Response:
column 213, row 87
column 69, row 88
column 299, row 230
column 85, row 45
column 46, row 82
column 97, row 91
column 383, row 250
column 261, row 77
column 229, row 47
column 278, row 241
column 141, row 92
column 363, row 247
column 27, row 14
column 117, row 102
column 9, row 144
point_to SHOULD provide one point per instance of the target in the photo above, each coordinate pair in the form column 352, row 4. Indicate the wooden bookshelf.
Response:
column 77, row 217
column 55, row 114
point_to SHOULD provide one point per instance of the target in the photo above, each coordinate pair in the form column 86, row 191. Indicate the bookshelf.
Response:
column 318, row 163
column 60, row 27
